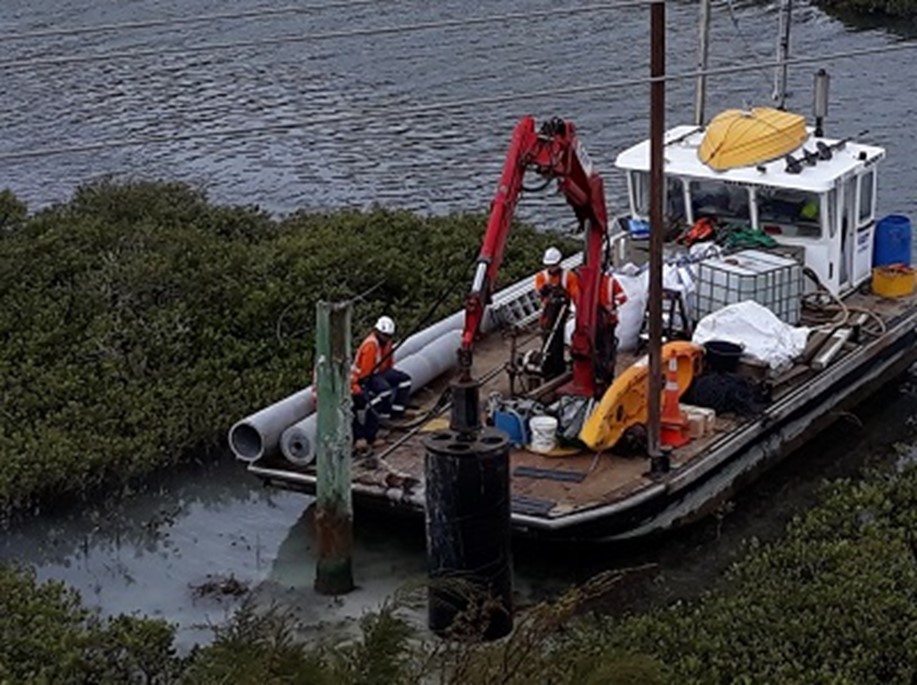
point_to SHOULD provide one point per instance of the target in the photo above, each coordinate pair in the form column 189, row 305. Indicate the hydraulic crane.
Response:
column 554, row 152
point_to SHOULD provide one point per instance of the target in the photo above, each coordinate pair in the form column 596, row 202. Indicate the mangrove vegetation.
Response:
column 138, row 320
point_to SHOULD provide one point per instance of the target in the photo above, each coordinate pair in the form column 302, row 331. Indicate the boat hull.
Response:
column 699, row 487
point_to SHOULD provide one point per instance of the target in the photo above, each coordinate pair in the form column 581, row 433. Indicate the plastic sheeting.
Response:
column 757, row 329
column 631, row 314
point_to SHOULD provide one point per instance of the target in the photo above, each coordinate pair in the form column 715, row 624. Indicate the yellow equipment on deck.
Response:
column 737, row 137
column 896, row 280
column 625, row 403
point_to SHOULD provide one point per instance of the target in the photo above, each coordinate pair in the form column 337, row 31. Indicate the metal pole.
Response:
column 703, row 52
column 783, row 54
column 820, row 101
column 334, row 437
column 657, row 228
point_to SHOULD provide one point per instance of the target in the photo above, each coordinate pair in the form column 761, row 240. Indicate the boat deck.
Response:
column 549, row 490
column 542, row 485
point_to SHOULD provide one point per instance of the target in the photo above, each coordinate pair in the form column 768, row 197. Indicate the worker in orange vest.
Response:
column 387, row 389
column 558, row 289
column 611, row 297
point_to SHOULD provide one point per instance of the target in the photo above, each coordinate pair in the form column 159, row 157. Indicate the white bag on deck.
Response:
column 631, row 313
column 757, row 329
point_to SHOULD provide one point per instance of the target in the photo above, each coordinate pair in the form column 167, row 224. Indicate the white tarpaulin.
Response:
column 757, row 329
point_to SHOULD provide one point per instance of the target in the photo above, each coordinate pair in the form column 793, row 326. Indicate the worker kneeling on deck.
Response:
column 386, row 388
column 365, row 425
column 611, row 296
column 558, row 290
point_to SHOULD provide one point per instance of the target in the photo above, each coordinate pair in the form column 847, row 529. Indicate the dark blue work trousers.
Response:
column 365, row 421
column 388, row 392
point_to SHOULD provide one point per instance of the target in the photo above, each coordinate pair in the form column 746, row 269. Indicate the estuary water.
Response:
column 285, row 112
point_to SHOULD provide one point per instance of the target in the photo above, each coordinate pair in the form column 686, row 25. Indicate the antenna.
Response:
column 702, row 53
column 820, row 101
column 783, row 53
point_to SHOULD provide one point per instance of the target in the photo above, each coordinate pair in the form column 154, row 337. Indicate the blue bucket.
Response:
column 512, row 424
column 892, row 241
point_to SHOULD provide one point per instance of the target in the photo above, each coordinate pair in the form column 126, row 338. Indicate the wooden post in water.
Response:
column 334, row 439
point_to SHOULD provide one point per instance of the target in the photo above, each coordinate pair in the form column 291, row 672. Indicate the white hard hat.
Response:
column 385, row 325
column 552, row 257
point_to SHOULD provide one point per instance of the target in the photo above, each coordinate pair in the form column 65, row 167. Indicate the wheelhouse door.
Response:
column 865, row 226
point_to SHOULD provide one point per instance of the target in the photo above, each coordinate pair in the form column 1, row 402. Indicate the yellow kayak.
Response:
column 737, row 137
column 625, row 403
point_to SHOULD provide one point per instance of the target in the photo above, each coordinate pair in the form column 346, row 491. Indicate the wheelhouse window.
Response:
column 867, row 191
column 789, row 212
column 674, row 202
column 723, row 201
column 640, row 187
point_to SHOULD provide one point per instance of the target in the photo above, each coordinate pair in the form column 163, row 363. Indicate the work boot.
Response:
column 360, row 445
column 379, row 442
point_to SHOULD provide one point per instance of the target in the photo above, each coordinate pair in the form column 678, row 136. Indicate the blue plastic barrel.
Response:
column 892, row 241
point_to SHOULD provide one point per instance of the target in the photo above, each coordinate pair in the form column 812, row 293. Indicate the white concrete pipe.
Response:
column 259, row 434
column 297, row 443
column 432, row 361
column 421, row 339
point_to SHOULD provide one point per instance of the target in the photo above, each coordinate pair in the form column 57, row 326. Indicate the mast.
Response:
column 657, row 128
column 703, row 51
column 783, row 53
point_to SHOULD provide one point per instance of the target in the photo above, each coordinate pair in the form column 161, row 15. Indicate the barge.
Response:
column 815, row 208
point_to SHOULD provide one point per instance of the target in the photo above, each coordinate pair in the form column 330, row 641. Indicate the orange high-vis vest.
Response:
column 611, row 296
column 372, row 357
column 568, row 278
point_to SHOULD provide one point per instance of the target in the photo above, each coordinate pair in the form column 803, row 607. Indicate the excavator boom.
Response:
column 554, row 152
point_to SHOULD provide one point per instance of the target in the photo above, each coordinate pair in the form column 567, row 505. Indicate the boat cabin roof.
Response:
column 682, row 143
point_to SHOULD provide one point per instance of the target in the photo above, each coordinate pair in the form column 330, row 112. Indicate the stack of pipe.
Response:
column 289, row 425
column 297, row 443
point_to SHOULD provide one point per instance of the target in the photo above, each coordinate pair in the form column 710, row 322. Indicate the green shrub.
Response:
column 137, row 321
column 895, row 9
column 46, row 636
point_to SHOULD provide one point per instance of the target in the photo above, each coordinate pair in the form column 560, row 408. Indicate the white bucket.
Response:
column 544, row 431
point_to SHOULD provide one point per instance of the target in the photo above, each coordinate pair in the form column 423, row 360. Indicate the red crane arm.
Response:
column 554, row 152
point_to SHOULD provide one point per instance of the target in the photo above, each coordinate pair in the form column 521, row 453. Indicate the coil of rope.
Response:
column 830, row 312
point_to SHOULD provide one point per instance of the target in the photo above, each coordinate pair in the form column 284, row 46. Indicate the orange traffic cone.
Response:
column 674, row 425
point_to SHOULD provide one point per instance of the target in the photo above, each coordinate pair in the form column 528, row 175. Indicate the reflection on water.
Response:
column 355, row 140
column 152, row 552
column 145, row 554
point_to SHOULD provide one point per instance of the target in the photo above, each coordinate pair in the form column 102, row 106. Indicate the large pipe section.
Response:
column 297, row 443
column 423, row 338
column 261, row 433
